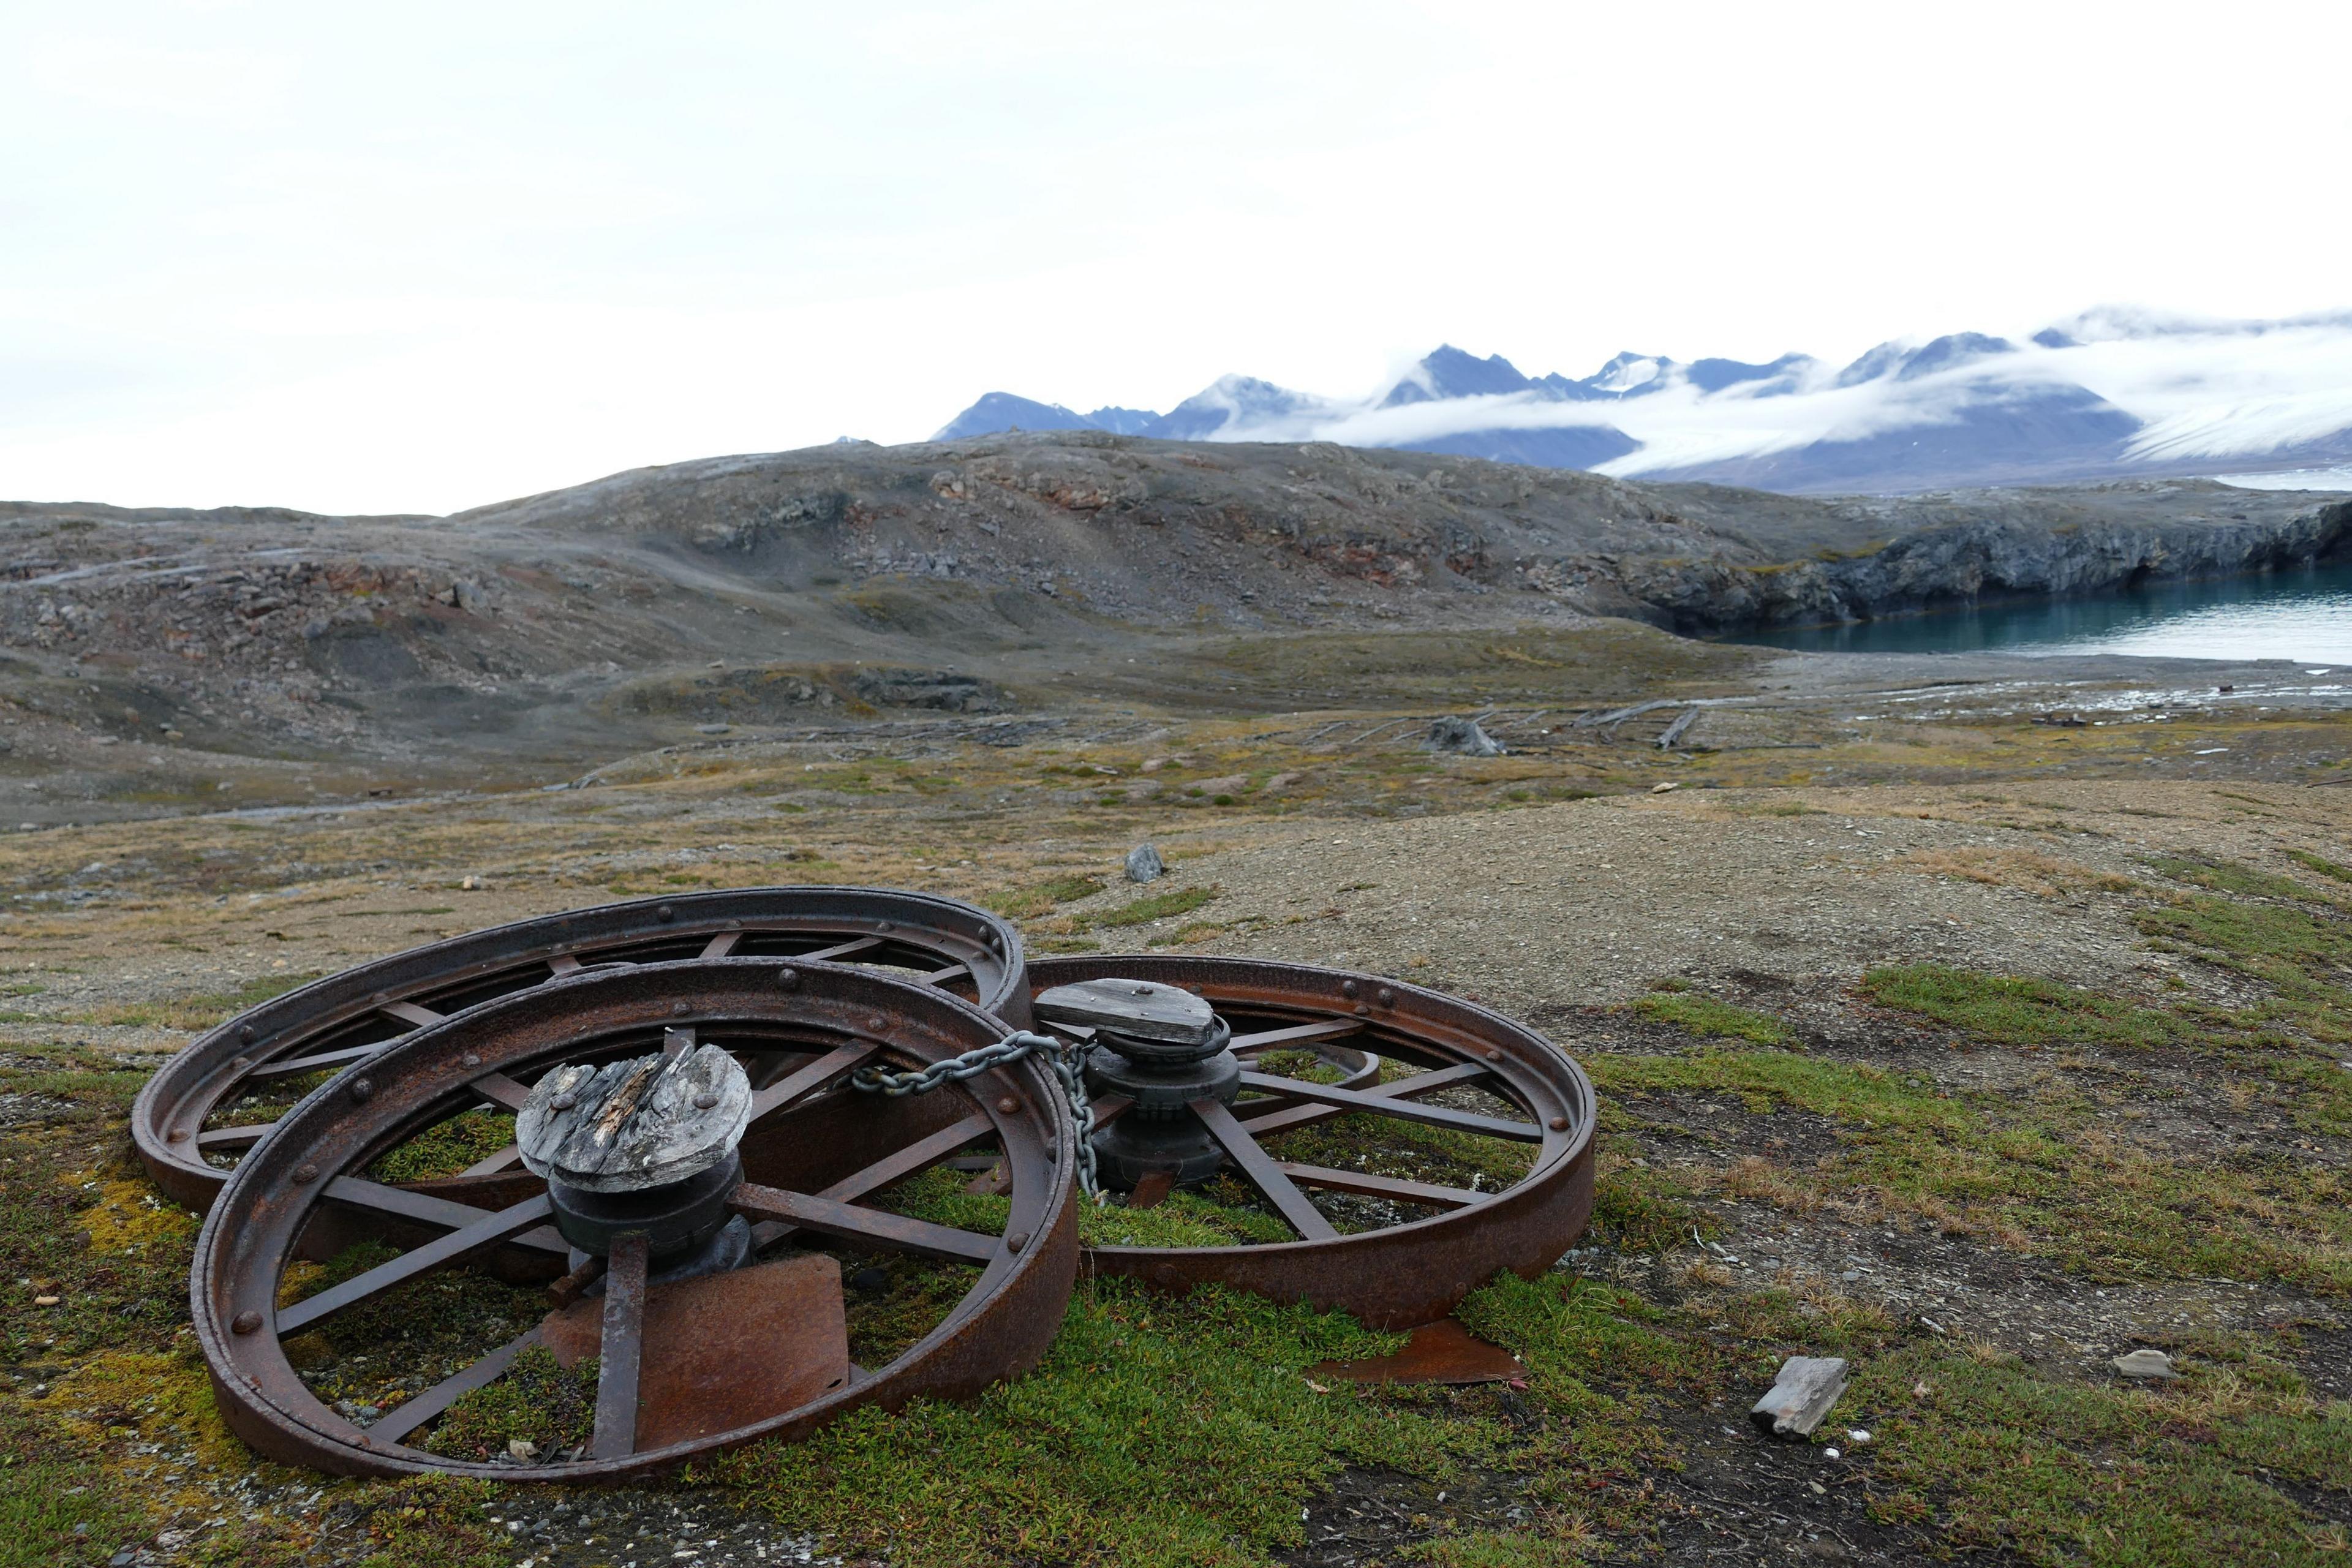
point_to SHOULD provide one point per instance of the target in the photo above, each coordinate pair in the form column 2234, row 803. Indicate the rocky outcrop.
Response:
column 2006, row 551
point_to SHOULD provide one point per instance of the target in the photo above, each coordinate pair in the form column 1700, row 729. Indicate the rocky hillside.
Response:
column 964, row 577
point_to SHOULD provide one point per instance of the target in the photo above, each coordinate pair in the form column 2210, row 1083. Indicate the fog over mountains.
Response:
column 2109, row 394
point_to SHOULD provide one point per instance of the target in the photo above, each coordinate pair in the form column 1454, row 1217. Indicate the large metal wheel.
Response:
column 752, row 1347
column 1348, row 1080
column 217, row 1097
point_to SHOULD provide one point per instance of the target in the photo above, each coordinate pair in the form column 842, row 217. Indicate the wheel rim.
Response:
column 1394, row 1275
column 304, row 1191
column 332, row 1022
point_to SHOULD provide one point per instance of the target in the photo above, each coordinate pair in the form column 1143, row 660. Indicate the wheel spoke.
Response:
column 1382, row 1186
column 722, row 944
column 1266, row 1039
column 1152, row 1191
column 919, row 1156
column 489, row 1231
column 1262, row 1173
column 505, row 1159
column 294, row 1067
column 1419, row 1084
column 809, row 1079
column 1393, row 1105
column 620, row 1348
column 942, row 976
column 426, row 1209
column 501, row 1090
column 399, row 1422
column 411, row 1013
column 244, row 1137
column 563, row 963
column 845, row 948
column 896, row 1233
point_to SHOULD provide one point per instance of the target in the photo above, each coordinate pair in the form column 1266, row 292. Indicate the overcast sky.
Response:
column 423, row 257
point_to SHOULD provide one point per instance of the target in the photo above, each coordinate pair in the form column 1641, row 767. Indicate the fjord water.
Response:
column 2300, row 614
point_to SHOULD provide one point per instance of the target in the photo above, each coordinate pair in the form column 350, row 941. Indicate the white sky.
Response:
column 428, row 255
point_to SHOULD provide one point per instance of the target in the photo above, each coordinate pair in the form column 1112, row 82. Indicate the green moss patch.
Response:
column 1698, row 1015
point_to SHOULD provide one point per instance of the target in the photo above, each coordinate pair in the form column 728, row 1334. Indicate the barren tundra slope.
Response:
column 157, row 659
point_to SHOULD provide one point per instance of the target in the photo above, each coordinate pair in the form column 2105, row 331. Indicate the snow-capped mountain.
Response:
column 2111, row 392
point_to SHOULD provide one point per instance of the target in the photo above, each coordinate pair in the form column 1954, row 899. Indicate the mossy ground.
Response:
column 1996, row 1147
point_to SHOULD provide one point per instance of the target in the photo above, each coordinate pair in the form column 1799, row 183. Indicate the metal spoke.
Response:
column 1262, row 1173
column 427, row 1209
column 722, row 944
column 563, row 963
column 942, row 976
column 917, row 1156
column 1382, row 1186
column 1152, row 1191
column 294, row 1067
column 896, row 1233
column 399, row 1422
column 244, row 1137
column 410, row 1013
column 1266, row 1039
column 1419, row 1084
column 505, row 1159
column 501, row 1090
column 1393, row 1105
column 844, row 948
column 489, row 1231
column 816, row 1075
column 621, row 1348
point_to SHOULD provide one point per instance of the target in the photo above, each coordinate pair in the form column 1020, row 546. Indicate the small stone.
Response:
column 471, row 885
column 712, row 729
column 1801, row 1395
column 1454, row 733
column 1661, row 789
column 522, row 1448
column 1143, row 864
column 2144, row 1363
column 47, row 1300
column 1832, row 1454
column 1856, row 1436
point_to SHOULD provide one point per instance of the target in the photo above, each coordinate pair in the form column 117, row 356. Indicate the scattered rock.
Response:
column 1802, row 1393
column 2144, row 1363
column 522, row 1448
column 1661, row 789
column 712, row 729
column 472, row 885
column 1454, row 733
column 1143, row 864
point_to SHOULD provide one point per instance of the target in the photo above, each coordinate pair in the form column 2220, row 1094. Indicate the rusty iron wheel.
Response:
column 756, row 1352
column 1407, row 1270
column 327, row 1026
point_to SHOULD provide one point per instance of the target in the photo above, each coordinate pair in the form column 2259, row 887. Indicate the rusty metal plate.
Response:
column 1442, row 1352
column 817, row 1156
column 1399, row 1274
column 334, row 1023
column 724, row 1351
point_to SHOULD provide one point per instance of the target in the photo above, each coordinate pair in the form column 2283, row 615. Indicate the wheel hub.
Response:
column 1165, row 1049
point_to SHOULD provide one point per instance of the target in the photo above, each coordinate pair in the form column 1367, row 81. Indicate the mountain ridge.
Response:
column 2107, row 394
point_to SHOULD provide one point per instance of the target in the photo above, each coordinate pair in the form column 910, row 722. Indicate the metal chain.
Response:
column 1067, row 1059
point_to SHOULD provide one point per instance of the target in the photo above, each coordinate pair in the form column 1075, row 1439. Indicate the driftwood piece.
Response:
column 1683, row 722
column 1143, row 1008
column 634, row 1124
column 1802, row 1393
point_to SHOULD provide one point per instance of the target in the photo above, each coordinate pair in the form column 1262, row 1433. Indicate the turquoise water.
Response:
column 2303, row 615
